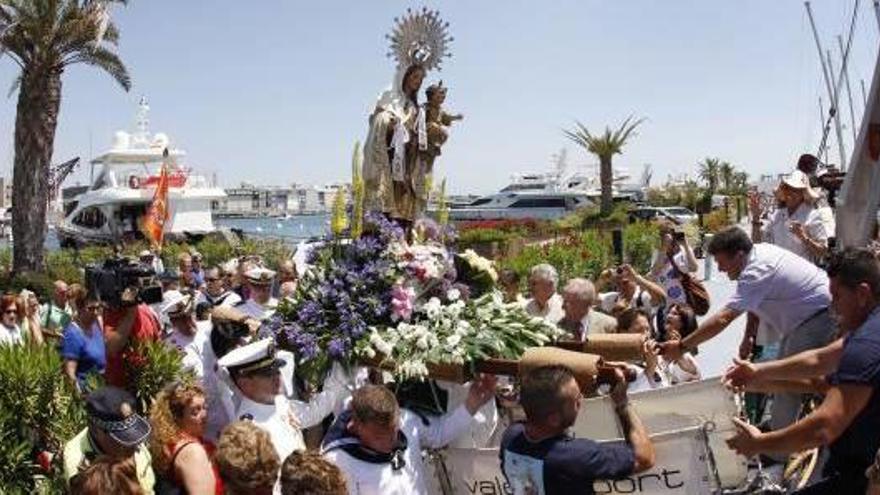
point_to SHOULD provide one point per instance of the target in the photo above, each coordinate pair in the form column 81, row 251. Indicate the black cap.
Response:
column 112, row 410
column 168, row 276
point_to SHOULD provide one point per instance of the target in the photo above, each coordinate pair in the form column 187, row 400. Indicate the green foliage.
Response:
column 68, row 264
column 151, row 367
column 716, row 221
column 478, row 236
column 604, row 146
column 39, row 410
column 587, row 253
column 593, row 217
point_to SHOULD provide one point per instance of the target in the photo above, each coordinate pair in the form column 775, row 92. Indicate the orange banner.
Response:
column 157, row 213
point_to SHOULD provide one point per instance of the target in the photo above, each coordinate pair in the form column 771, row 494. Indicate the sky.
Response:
column 278, row 91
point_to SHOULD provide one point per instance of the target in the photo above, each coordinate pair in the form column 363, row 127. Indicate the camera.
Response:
column 678, row 236
column 108, row 280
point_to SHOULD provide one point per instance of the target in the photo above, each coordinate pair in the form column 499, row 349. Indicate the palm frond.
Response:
column 107, row 60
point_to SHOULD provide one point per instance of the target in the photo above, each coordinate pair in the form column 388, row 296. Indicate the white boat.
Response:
column 545, row 196
column 112, row 208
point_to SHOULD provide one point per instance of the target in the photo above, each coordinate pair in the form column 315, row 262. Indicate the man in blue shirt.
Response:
column 537, row 456
column 847, row 371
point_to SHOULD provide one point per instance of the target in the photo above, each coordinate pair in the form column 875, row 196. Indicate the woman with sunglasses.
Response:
column 182, row 458
column 82, row 345
column 10, row 332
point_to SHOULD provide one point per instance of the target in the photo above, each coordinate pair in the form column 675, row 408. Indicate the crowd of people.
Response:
column 246, row 425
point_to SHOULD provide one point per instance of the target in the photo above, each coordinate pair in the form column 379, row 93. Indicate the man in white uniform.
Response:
column 254, row 376
column 260, row 305
column 378, row 446
column 187, row 335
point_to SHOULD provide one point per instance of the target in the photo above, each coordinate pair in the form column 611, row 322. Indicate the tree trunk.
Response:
column 39, row 99
column 605, row 179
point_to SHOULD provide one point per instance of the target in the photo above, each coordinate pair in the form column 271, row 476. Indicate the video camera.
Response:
column 108, row 280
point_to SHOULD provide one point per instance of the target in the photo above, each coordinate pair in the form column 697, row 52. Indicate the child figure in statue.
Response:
column 437, row 119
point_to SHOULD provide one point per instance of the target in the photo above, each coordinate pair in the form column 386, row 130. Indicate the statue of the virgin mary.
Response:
column 396, row 179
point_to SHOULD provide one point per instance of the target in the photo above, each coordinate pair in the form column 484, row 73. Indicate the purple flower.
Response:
column 336, row 348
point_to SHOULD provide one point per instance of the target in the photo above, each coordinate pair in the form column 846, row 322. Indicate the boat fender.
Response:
column 134, row 182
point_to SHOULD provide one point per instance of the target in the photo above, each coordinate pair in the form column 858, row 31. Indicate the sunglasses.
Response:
column 11, row 311
column 212, row 279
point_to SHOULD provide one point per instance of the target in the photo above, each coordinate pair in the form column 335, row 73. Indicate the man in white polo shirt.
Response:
column 781, row 288
column 797, row 225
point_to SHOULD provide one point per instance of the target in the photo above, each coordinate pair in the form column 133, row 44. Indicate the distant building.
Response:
column 249, row 200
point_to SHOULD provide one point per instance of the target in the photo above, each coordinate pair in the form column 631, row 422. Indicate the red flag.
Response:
column 157, row 213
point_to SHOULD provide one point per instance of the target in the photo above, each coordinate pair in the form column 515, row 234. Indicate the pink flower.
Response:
column 402, row 301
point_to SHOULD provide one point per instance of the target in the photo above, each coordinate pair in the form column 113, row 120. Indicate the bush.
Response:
column 152, row 366
column 587, row 253
column 716, row 221
column 39, row 411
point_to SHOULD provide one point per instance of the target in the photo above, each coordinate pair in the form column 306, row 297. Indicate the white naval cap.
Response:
column 260, row 276
column 176, row 303
column 252, row 357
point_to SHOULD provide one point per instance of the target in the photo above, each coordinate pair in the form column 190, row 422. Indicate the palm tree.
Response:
column 43, row 37
column 709, row 171
column 604, row 146
column 741, row 182
column 726, row 173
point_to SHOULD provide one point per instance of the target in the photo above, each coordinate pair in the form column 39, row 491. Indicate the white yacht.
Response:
column 112, row 208
column 545, row 196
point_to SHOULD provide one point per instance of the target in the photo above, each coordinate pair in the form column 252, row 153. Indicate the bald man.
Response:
column 56, row 313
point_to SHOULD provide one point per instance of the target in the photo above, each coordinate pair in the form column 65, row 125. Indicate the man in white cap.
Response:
column 187, row 335
column 260, row 305
column 253, row 373
column 797, row 225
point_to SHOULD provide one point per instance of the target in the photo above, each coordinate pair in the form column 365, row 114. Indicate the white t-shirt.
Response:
column 668, row 278
column 778, row 229
column 192, row 346
column 644, row 382
column 11, row 336
column 551, row 314
column 641, row 300
column 780, row 287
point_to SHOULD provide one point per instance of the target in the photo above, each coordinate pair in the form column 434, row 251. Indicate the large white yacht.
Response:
column 546, row 196
column 112, row 208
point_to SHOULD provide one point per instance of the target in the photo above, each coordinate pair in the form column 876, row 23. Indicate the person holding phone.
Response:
column 797, row 225
column 674, row 248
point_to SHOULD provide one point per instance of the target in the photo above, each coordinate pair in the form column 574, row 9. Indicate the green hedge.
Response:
column 587, row 253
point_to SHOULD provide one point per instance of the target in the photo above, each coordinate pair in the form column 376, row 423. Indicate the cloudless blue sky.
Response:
column 274, row 91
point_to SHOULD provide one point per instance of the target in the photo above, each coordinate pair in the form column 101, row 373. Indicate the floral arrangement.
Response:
column 457, row 332
column 408, row 304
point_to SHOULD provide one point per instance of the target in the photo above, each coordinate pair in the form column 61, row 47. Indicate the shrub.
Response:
column 39, row 411
column 716, row 221
column 153, row 365
column 587, row 253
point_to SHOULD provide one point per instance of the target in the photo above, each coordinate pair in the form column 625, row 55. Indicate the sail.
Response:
column 859, row 198
column 157, row 213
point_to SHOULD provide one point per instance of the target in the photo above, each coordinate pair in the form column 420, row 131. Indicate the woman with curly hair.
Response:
column 309, row 473
column 181, row 457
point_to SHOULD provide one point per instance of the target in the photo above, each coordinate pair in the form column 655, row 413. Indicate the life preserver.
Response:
column 134, row 182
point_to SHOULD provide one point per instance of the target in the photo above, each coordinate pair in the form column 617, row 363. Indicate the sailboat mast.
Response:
column 852, row 112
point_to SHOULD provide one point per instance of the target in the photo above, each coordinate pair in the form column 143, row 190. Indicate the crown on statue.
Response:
column 420, row 38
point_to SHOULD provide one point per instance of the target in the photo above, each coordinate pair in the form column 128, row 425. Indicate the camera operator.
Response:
column 124, row 326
